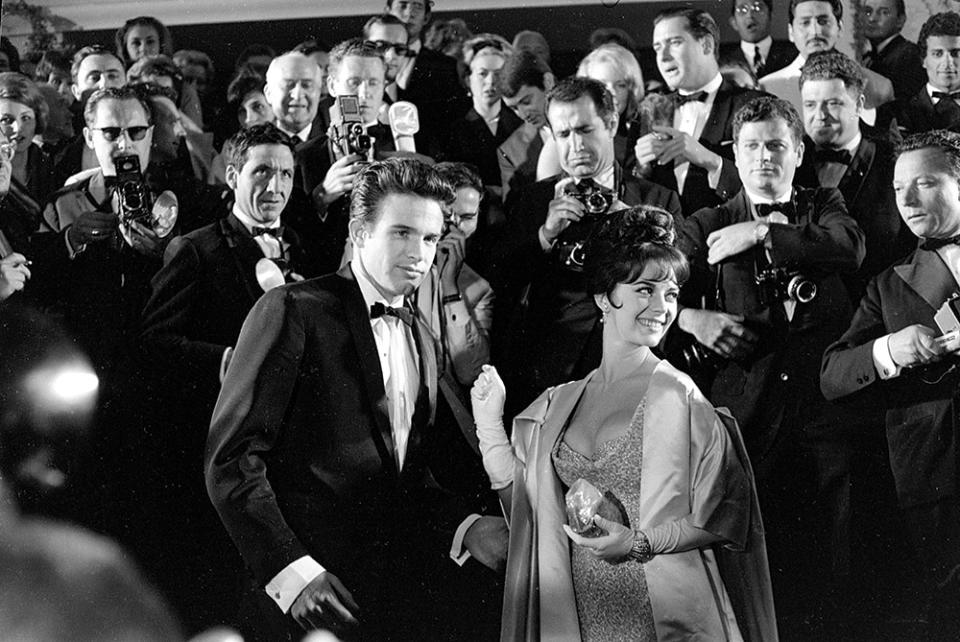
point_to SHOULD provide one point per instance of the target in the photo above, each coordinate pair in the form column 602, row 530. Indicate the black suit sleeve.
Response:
column 246, row 426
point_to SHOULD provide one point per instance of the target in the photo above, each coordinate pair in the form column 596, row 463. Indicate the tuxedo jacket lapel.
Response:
column 358, row 320
column 929, row 277
column 718, row 117
column 852, row 181
column 245, row 253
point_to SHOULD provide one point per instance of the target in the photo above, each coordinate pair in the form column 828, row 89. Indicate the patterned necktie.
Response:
column 378, row 310
column 757, row 62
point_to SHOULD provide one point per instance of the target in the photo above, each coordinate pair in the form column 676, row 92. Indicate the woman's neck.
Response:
column 620, row 361
column 487, row 111
column 20, row 166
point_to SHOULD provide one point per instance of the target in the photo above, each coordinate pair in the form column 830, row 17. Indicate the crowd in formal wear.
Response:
column 366, row 330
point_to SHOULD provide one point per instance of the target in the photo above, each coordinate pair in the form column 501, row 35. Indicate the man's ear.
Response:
column 601, row 301
column 709, row 45
column 733, row 23
column 75, row 91
column 549, row 80
column 331, row 81
column 231, row 176
column 358, row 231
column 88, row 136
column 800, row 149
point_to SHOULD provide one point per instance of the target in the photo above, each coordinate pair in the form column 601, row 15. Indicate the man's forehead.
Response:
column 360, row 65
column 388, row 33
column 811, row 9
column 271, row 154
column 293, row 68
column 829, row 87
column 99, row 62
column 772, row 129
column 671, row 27
column 943, row 42
column 572, row 113
column 128, row 109
column 918, row 161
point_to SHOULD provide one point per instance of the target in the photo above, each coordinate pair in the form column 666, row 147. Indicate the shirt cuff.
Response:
column 545, row 245
column 457, row 552
column 289, row 583
column 883, row 360
column 224, row 362
column 713, row 178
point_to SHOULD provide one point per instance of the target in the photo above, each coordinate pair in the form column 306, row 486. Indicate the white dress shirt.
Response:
column 749, row 50
column 403, row 76
column 691, row 118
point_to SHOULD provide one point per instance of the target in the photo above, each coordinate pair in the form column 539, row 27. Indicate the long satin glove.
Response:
column 487, row 398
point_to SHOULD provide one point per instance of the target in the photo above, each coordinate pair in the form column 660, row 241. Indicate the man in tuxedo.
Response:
column 694, row 157
column 894, row 354
column 757, row 48
column 321, row 454
column 428, row 78
column 937, row 105
column 552, row 329
column 327, row 165
column 836, row 154
column 890, row 54
column 815, row 25
column 760, row 336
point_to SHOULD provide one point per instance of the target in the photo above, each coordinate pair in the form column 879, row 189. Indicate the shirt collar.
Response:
column 749, row 49
column 854, row 144
column 604, row 178
column 249, row 223
column 711, row 87
column 303, row 134
column 369, row 291
column 757, row 199
column 415, row 46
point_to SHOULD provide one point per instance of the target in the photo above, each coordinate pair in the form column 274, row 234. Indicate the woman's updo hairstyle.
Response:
column 624, row 242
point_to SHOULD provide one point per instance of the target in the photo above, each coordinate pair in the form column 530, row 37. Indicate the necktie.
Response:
column 869, row 57
column 935, row 244
column 275, row 232
column 378, row 310
column 942, row 95
column 683, row 99
column 757, row 61
column 787, row 208
column 828, row 155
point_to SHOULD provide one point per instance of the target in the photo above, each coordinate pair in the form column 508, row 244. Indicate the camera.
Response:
column 596, row 200
column 948, row 320
column 782, row 284
column 132, row 192
column 346, row 128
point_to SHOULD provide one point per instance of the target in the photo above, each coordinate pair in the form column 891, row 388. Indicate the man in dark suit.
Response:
column 554, row 327
column 893, row 353
column 837, row 154
column 694, row 157
column 757, row 48
column 327, row 166
column 321, row 448
column 890, row 54
column 199, row 300
column 429, row 79
column 763, row 333
column 936, row 106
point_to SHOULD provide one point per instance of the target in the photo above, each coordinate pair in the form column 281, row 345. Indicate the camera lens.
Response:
column 801, row 289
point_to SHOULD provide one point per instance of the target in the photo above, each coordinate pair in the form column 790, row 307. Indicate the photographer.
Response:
column 763, row 300
column 554, row 328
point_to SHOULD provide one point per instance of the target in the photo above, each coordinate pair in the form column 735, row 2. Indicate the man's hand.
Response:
column 487, row 540
column 561, row 212
column 914, row 345
column 144, row 240
column 92, row 227
column 723, row 333
column 450, row 252
column 339, row 178
column 325, row 603
column 666, row 144
column 13, row 274
column 731, row 240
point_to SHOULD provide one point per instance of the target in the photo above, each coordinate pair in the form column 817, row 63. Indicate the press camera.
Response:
column 784, row 284
column 346, row 128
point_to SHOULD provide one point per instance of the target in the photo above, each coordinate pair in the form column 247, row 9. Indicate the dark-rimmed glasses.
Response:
column 136, row 132
column 383, row 47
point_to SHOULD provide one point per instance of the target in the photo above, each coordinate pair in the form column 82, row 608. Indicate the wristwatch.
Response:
column 640, row 551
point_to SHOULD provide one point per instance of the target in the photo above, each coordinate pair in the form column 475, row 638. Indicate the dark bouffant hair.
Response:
column 396, row 176
column 622, row 245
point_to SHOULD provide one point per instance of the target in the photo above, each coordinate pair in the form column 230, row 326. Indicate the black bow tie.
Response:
column 935, row 244
column 378, row 310
column 787, row 208
column 683, row 99
column 275, row 232
column 942, row 94
column 828, row 155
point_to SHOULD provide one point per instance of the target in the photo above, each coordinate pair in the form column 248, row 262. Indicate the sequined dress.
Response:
column 613, row 602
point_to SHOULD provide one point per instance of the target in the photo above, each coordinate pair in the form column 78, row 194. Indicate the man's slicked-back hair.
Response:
column 940, row 24
column 396, row 176
column 700, row 24
column 386, row 19
column 239, row 144
column 460, row 175
column 767, row 108
column 352, row 47
column 833, row 65
column 127, row 92
column 522, row 68
column 84, row 53
column 945, row 140
column 836, row 6
column 570, row 90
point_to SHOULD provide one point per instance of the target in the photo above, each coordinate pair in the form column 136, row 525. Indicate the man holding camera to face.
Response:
column 554, row 332
column 764, row 297
column 901, row 352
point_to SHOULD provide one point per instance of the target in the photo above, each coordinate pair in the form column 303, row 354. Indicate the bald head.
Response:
column 293, row 89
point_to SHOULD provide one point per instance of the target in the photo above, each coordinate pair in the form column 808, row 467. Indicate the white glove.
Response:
column 487, row 398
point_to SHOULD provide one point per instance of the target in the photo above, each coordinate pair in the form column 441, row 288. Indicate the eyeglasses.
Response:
column 745, row 9
column 383, row 46
column 137, row 132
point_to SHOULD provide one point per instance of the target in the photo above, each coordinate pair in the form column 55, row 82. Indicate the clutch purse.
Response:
column 584, row 500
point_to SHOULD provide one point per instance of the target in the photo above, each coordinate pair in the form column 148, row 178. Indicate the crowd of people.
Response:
column 365, row 327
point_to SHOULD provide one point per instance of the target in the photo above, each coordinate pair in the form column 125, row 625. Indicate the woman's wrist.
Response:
column 640, row 551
